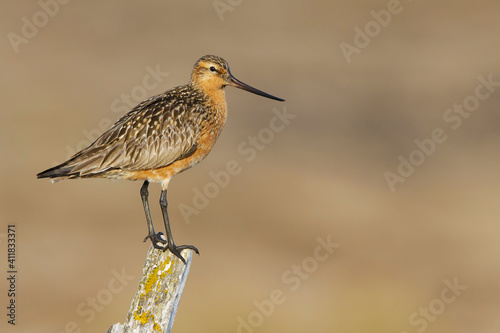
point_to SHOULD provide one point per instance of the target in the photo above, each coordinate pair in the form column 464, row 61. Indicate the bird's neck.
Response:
column 215, row 96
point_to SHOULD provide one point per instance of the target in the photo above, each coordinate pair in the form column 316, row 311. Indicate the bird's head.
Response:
column 211, row 73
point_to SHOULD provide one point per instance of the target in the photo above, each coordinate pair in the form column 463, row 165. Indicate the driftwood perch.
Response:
column 160, row 289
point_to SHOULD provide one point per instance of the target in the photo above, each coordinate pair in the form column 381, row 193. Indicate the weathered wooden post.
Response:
column 160, row 289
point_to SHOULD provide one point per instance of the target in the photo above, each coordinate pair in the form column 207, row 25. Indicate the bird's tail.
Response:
column 59, row 172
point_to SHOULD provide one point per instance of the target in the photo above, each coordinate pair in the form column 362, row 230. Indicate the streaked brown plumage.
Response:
column 162, row 136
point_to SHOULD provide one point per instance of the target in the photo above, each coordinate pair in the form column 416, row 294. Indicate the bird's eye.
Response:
column 213, row 69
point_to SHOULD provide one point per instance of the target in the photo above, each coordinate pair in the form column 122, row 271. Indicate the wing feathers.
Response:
column 154, row 134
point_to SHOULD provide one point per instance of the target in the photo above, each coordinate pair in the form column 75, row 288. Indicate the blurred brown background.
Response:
column 321, row 176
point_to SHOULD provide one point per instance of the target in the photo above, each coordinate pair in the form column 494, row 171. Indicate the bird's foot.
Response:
column 177, row 249
column 160, row 242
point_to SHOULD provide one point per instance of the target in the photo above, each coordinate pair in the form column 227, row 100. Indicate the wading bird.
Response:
column 159, row 138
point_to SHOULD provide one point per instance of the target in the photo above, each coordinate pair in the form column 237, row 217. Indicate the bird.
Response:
column 160, row 137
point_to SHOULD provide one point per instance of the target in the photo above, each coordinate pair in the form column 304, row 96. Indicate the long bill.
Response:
column 238, row 84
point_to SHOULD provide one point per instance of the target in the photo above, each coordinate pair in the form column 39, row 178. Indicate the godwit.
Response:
column 159, row 138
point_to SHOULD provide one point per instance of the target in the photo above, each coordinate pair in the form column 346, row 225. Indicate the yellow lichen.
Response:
column 152, row 279
column 142, row 317
column 163, row 266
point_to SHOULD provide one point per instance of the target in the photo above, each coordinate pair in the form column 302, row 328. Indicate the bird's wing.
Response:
column 156, row 133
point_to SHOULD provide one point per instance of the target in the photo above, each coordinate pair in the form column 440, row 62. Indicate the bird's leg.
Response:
column 175, row 249
column 157, row 239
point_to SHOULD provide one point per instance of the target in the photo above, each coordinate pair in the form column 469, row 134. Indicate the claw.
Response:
column 176, row 250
